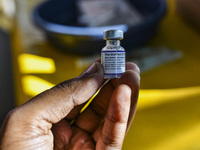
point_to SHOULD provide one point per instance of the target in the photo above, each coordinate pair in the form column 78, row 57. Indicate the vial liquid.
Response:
column 113, row 57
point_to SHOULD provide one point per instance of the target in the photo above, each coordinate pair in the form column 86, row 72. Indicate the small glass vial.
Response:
column 113, row 56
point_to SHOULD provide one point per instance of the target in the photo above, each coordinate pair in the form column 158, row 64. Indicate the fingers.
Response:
column 134, row 84
column 62, row 134
column 54, row 104
column 132, row 79
column 133, row 67
column 90, row 119
column 81, row 140
column 66, row 137
column 116, row 120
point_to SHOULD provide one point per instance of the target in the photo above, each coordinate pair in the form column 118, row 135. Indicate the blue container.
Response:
column 57, row 18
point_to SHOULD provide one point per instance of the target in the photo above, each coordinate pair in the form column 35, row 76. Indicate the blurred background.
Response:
column 43, row 43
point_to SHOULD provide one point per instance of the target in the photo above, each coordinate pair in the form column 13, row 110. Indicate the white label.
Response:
column 113, row 62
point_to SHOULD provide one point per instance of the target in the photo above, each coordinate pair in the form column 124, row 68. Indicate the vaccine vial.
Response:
column 113, row 56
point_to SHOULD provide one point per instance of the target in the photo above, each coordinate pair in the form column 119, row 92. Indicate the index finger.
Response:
column 116, row 120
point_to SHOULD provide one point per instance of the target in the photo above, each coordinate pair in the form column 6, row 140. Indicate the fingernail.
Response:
column 92, row 68
column 137, row 69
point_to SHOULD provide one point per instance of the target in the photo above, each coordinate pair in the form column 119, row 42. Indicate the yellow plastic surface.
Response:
column 168, row 110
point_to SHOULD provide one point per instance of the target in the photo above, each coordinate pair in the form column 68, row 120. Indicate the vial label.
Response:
column 113, row 63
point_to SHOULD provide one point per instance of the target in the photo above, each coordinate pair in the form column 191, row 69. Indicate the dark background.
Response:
column 7, row 101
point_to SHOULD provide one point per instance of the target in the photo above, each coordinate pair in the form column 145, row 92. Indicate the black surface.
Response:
column 6, row 79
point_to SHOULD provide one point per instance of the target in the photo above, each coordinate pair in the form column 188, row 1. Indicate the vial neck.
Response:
column 113, row 42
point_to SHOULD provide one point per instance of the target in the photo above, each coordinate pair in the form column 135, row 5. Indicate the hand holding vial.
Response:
column 45, row 121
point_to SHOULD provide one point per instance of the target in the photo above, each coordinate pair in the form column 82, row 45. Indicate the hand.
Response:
column 44, row 121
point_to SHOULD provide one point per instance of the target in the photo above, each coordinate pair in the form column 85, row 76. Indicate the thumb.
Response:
column 55, row 103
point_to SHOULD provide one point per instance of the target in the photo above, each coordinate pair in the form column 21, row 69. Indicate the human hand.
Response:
column 44, row 121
